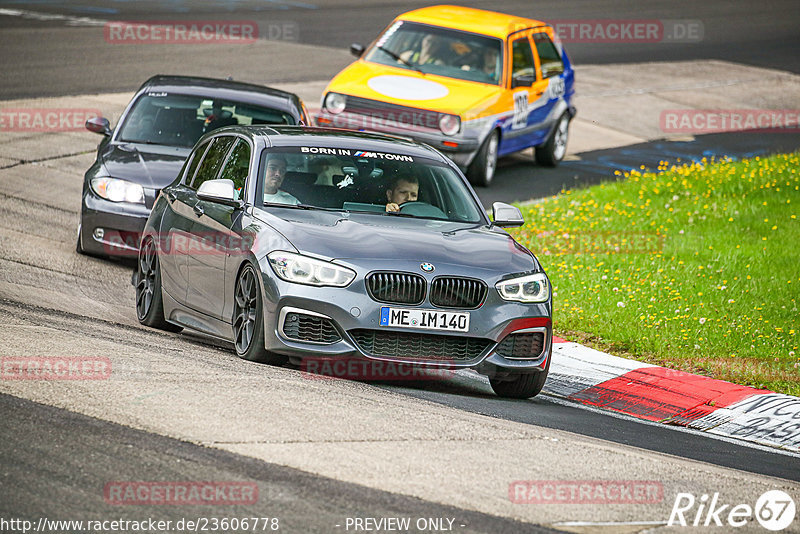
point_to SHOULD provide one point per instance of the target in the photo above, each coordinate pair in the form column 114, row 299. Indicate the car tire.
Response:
column 554, row 149
column 482, row 169
column 248, row 320
column 523, row 386
column 149, row 300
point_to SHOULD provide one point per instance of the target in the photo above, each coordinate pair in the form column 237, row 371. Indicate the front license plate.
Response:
column 427, row 319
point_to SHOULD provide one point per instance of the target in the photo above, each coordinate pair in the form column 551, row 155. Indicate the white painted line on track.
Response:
column 46, row 17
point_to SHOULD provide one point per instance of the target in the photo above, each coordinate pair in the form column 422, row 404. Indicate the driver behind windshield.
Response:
column 403, row 188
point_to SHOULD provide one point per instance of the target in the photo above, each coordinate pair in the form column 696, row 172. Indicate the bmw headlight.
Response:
column 529, row 288
column 309, row 271
column 117, row 190
column 449, row 124
column 335, row 103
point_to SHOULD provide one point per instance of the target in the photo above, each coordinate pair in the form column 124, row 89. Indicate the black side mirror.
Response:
column 523, row 80
column 99, row 125
column 357, row 49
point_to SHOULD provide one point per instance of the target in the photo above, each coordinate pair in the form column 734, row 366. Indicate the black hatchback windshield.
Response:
column 353, row 180
column 179, row 120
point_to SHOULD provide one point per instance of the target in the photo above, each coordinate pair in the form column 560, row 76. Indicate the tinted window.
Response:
column 548, row 55
column 237, row 165
column 522, row 59
column 209, row 167
column 180, row 120
column 358, row 181
column 442, row 51
column 197, row 155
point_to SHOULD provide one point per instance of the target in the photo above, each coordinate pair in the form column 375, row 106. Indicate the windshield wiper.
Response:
column 401, row 60
column 301, row 206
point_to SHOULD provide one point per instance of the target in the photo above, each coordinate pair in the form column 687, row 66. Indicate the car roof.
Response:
column 471, row 20
column 280, row 135
column 225, row 89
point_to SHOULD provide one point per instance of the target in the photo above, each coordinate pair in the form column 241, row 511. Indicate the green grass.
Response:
column 694, row 268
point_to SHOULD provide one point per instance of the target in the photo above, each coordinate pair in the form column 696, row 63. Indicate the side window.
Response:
column 215, row 155
column 522, row 59
column 237, row 165
column 552, row 65
column 197, row 155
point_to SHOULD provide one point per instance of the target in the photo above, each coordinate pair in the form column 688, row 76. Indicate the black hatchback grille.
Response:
column 525, row 346
column 413, row 346
column 302, row 327
column 457, row 292
column 396, row 288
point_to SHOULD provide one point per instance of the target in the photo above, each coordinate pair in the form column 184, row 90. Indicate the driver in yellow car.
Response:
column 403, row 188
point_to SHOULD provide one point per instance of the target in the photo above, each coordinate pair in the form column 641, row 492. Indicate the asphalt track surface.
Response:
column 53, row 461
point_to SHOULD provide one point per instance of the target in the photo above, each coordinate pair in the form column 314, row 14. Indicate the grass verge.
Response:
column 696, row 267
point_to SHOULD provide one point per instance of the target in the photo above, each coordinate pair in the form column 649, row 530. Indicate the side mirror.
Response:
column 523, row 80
column 98, row 125
column 506, row 216
column 219, row 191
column 357, row 49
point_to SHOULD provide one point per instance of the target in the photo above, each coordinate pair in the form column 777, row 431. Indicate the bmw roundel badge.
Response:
column 427, row 267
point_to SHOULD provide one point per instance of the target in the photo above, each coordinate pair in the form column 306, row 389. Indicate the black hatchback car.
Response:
column 146, row 150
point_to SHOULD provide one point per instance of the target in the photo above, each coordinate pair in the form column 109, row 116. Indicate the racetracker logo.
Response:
column 559, row 243
column 183, row 244
column 628, row 31
column 371, row 370
column 774, row 510
column 703, row 121
column 585, row 492
column 55, row 368
column 182, row 32
column 180, row 493
column 45, row 119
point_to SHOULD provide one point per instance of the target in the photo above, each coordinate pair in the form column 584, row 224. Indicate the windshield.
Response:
column 180, row 120
column 353, row 180
column 435, row 50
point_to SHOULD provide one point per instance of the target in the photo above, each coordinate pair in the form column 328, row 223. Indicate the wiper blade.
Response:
column 398, row 58
column 301, row 206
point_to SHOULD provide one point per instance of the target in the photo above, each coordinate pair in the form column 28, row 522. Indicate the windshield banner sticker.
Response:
column 355, row 153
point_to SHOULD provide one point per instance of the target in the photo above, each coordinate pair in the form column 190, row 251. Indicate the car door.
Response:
column 550, row 70
column 210, row 240
column 176, row 224
column 527, row 125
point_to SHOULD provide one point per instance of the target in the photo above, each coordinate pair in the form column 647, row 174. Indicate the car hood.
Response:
column 151, row 166
column 409, row 88
column 352, row 237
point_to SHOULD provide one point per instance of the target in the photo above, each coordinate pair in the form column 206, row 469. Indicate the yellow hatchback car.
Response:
column 474, row 84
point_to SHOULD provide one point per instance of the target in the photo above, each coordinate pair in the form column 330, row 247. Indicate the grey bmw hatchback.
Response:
column 300, row 244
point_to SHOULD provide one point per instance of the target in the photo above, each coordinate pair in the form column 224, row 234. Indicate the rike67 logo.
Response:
column 774, row 510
